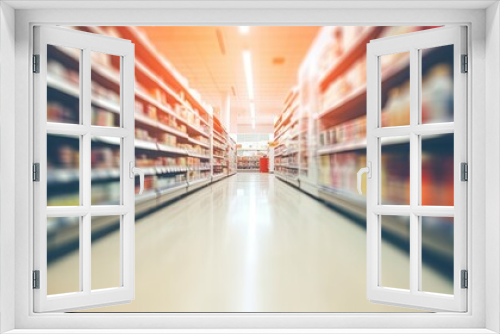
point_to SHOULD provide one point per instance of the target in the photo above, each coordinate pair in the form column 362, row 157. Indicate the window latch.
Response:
column 368, row 171
column 134, row 170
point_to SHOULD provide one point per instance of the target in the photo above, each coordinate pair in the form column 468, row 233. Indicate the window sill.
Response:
column 250, row 331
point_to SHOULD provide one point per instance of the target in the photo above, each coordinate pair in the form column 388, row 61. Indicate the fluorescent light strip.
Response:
column 253, row 123
column 247, row 63
column 252, row 110
column 244, row 29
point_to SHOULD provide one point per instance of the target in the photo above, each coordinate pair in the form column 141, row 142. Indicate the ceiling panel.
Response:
column 211, row 59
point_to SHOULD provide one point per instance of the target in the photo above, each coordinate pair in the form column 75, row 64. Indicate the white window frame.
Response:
column 85, row 43
column 484, row 308
column 414, row 44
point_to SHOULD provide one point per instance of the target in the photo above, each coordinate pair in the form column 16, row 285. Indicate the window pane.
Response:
column 63, row 84
column 63, row 257
column 395, row 171
column 106, row 252
column 437, row 84
column 105, row 165
column 105, row 88
column 395, row 252
column 63, row 170
column 437, row 170
column 437, row 254
column 395, row 89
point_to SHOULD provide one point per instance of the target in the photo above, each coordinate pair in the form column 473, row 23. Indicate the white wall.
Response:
column 492, row 160
column 7, row 159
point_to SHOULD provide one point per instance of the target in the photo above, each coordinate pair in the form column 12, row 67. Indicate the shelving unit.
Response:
column 286, row 138
column 232, row 157
column 223, row 148
column 332, row 128
column 179, row 144
column 248, row 159
column 331, row 140
column 249, row 163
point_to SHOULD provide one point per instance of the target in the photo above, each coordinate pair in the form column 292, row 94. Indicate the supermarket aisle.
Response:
column 249, row 243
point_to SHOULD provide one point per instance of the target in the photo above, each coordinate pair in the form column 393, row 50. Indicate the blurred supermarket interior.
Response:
column 250, row 138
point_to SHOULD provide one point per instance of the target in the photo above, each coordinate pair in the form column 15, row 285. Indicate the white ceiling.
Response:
column 211, row 59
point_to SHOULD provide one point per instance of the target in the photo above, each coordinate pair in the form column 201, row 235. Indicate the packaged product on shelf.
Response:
column 102, row 157
column 73, row 77
column 59, row 113
column 181, row 161
column 143, row 134
column 101, row 117
column 139, row 107
column 100, row 58
column 159, row 95
column 151, row 111
column 396, row 111
column 56, row 69
column 437, row 94
column 66, row 157
column 168, row 139
column 333, row 136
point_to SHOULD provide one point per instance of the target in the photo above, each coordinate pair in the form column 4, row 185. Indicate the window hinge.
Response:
column 36, row 63
column 464, row 171
column 36, row 172
column 465, row 64
column 36, row 279
column 465, row 279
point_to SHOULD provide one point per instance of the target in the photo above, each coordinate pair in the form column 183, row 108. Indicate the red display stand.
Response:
column 264, row 165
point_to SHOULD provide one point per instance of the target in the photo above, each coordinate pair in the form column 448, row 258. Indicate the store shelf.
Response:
column 197, row 142
column 345, row 201
column 291, row 97
column 146, row 196
column 218, row 177
column 73, row 91
column 164, row 99
column 349, row 58
column 142, row 144
column 198, row 183
column 170, row 149
column 196, row 155
column 353, row 105
column 172, row 189
column 287, row 166
column 148, row 54
column 173, row 131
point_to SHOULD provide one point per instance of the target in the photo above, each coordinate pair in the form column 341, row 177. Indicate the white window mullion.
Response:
column 373, row 188
column 128, row 184
column 395, row 131
column 414, row 170
column 85, row 170
column 434, row 129
column 109, row 132
column 66, row 129
column 392, row 210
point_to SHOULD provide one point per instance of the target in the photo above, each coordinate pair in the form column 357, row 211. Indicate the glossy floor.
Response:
column 249, row 243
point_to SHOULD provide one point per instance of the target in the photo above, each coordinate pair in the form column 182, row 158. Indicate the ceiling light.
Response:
column 252, row 110
column 244, row 29
column 247, row 63
column 253, row 123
